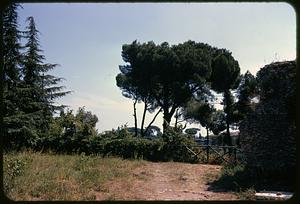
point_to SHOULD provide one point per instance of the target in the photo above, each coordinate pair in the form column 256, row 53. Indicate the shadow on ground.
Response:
column 241, row 179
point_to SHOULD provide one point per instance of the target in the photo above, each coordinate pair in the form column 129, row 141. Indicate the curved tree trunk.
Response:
column 168, row 116
column 228, row 134
column 135, row 118
column 207, row 143
column 143, row 119
column 227, row 110
column 153, row 120
column 176, row 118
column 167, row 120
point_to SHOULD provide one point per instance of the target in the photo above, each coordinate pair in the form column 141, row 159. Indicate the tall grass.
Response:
column 36, row 176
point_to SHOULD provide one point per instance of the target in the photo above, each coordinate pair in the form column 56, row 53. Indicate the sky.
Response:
column 86, row 39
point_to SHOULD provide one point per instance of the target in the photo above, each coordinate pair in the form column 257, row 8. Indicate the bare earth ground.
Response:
column 166, row 181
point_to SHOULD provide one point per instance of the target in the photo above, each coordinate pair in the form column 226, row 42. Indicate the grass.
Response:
column 36, row 176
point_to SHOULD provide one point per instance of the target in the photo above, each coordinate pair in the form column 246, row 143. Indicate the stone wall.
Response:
column 269, row 141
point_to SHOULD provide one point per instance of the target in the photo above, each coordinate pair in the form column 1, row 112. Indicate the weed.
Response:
column 247, row 194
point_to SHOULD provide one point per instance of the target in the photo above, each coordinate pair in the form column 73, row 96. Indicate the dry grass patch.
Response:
column 38, row 176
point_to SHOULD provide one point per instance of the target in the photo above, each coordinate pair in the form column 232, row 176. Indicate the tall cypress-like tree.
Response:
column 39, row 88
column 12, row 58
column 224, row 77
column 246, row 91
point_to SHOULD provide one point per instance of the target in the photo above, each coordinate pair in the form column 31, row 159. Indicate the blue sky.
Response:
column 86, row 40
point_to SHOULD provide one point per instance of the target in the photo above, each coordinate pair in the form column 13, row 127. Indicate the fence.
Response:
column 234, row 153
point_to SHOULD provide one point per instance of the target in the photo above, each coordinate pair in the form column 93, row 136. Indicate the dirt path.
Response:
column 166, row 181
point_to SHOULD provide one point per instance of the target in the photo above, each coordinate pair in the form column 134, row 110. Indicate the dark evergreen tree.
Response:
column 11, row 74
column 246, row 91
column 134, row 82
column 39, row 89
column 204, row 113
column 165, row 76
column 225, row 76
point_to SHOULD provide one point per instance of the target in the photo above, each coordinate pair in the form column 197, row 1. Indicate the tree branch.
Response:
column 153, row 120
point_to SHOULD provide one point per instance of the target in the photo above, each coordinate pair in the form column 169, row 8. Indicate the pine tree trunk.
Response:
column 135, row 118
column 167, row 120
column 143, row 119
column 228, row 134
column 207, row 143
column 168, row 116
column 176, row 119
column 153, row 120
column 227, row 110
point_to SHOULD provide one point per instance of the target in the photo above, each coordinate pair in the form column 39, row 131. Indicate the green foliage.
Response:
column 134, row 82
column 13, row 167
column 11, row 44
column 68, row 136
column 175, row 147
column 71, row 133
column 206, row 115
column 148, row 76
column 275, row 82
column 246, row 91
column 199, row 111
column 29, row 91
column 218, row 123
column 136, row 148
column 122, row 143
column 12, row 59
column 38, row 87
column 225, row 76
column 225, row 72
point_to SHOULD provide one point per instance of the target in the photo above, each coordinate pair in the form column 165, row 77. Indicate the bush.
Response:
column 123, row 143
column 175, row 147
column 13, row 167
column 134, row 148
column 70, row 133
column 172, row 146
column 169, row 147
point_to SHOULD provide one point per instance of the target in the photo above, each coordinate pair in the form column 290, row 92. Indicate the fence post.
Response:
column 207, row 147
column 235, row 155
column 207, row 154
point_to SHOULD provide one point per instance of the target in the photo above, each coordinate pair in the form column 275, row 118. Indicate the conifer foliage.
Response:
column 11, row 71
column 39, row 87
column 29, row 91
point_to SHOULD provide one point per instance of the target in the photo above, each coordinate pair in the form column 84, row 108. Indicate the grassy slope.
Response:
column 30, row 176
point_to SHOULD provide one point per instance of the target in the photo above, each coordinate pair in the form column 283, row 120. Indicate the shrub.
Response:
column 134, row 148
column 175, row 147
column 13, row 166
column 170, row 147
